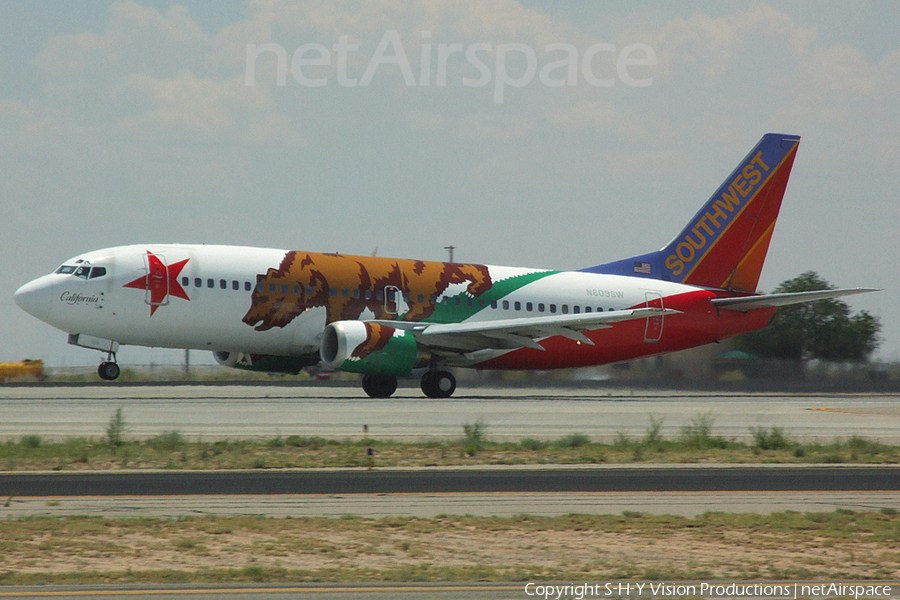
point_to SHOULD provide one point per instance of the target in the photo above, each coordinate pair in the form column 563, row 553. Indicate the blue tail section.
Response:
column 725, row 244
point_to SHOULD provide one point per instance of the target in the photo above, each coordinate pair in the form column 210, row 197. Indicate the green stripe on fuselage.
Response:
column 456, row 309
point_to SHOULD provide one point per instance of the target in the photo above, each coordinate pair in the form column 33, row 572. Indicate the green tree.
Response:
column 824, row 330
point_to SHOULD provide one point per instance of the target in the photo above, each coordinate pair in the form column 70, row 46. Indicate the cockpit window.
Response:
column 83, row 270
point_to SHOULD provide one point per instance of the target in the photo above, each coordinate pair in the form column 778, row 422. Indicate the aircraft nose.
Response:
column 35, row 297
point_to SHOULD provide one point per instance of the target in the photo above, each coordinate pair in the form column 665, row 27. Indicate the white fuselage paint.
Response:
column 212, row 317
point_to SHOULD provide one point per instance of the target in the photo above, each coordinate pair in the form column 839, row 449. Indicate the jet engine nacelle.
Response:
column 229, row 359
column 371, row 348
column 265, row 363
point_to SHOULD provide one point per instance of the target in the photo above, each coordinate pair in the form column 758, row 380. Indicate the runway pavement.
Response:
column 219, row 412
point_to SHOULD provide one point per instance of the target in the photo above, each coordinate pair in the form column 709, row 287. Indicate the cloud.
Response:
column 138, row 39
column 192, row 109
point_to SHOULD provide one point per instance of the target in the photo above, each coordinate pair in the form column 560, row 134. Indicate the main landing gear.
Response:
column 108, row 369
column 438, row 384
column 379, row 386
column 435, row 384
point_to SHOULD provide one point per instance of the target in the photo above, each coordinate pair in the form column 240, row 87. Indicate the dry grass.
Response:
column 838, row 545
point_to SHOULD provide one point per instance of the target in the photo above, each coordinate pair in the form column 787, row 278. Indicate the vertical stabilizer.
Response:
column 725, row 244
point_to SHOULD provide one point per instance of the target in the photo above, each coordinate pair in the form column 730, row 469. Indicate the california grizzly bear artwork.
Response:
column 348, row 285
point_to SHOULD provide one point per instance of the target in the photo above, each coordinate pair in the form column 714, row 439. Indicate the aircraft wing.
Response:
column 749, row 303
column 507, row 334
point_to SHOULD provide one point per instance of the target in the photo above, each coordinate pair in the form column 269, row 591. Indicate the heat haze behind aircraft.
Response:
column 286, row 310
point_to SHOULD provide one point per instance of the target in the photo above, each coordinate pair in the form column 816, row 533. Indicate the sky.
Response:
column 535, row 133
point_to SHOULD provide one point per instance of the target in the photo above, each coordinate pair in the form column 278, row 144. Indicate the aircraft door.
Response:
column 157, row 279
column 653, row 331
column 394, row 302
column 392, row 299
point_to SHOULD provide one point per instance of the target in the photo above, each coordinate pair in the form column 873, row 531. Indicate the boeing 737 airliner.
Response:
column 286, row 310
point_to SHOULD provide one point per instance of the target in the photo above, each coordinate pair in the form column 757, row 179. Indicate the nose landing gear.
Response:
column 108, row 369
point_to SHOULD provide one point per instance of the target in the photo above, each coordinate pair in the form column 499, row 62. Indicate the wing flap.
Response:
column 523, row 332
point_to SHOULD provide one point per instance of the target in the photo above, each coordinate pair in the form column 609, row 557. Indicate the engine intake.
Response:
column 371, row 348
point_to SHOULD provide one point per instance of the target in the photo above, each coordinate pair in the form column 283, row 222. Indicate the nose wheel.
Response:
column 108, row 369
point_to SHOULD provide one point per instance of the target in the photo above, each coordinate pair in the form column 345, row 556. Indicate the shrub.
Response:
column 31, row 441
column 116, row 429
column 169, row 440
column 575, row 440
column 772, row 439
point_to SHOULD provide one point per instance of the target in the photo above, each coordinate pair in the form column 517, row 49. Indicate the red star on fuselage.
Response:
column 160, row 281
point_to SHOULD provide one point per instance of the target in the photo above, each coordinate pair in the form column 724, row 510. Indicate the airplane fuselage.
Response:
column 275, row 302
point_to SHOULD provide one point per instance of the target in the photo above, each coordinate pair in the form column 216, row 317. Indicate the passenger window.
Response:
column 210, row 283
column 284, row 288
column 223, row 284
column 565, row 309
column 345, row 293
column 185, row 281
column 235, row 285
column 198, row 282
column 296, row 290
column 494, row 304
column 309, row 290
column 587, row 309
column 368, row 294
column 421, row 298
column 506, row 305
column 529, row 306
column 553, row 308
column 540, row 307
column 334, row 292
column 273, row 288
column 576, row 310
column 518, row 305
column 247, row 286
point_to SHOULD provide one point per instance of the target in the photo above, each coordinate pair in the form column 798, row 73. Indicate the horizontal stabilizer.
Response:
column 773, row 300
